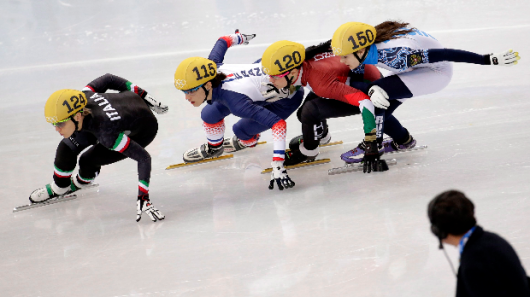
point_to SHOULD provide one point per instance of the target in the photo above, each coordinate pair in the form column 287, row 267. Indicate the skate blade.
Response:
column 180, row 165
column 416, row 148
column 355, row 167
column 300, row 165
column 58, row 199
column 259, row 142
column 324, row 145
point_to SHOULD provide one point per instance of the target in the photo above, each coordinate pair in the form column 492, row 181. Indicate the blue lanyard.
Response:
column 464, row 240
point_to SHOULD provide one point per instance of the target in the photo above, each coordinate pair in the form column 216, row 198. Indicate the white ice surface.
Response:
column 225, row 233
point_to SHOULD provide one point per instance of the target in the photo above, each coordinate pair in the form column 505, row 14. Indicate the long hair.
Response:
column 390, row 29
column 216, row 81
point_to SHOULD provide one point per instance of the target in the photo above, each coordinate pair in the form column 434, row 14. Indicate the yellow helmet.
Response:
column 282, row 56
column 63, row 104
column 193, row 72
column 351, row 37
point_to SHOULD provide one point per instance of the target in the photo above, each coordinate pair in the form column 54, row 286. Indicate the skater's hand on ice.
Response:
column 272, row 93
column 279, row 174
column 506, row 58
column 371, row 160
column 144, row 204
column 379, row 97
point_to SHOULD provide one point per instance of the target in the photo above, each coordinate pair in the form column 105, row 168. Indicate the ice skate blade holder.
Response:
column 59, row 199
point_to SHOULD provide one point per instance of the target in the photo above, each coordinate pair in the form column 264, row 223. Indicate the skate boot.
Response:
column 389, row 145
column 205, row 151
column 47, row 192
column 356, row 155
column 294, row 157
column 294, row 144
column 234, row 144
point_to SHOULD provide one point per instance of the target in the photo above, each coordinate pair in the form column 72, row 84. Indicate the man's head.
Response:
column 451, row 213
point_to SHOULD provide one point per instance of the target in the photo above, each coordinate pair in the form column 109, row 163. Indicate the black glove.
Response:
column 371, row 160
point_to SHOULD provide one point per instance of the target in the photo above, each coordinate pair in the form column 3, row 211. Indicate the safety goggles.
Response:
column 61, row 124
column 192, row 90
column 279, row 75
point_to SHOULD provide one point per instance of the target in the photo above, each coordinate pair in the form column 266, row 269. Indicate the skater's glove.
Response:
column 144, row 204
column 371, row 160
column 238, row 38
column 272, row 93
column 155, row 106
column 279, row 174
column 379, row 97
column 506, row 58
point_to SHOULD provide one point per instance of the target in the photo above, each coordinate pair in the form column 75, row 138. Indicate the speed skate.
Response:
column 209, row 160
column 325, row 145
column 359, row 166
column 355, row 167
column 300, row 165
column 58, row 199
column 416, row 148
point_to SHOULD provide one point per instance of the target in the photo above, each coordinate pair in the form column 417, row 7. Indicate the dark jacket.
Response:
column 489, row 266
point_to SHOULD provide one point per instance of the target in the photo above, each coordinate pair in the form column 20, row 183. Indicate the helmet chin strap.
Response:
column 206, row 92
column 290, row 81
column 361, row 60
column 75, row 122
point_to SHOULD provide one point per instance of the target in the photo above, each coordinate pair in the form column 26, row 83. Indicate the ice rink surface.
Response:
column 225, row 233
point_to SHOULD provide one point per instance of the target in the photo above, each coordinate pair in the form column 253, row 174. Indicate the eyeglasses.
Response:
column 192, row 90
column 279, row 75
column 61, row 124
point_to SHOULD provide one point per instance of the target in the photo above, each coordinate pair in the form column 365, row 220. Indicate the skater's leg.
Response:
column 315, row 112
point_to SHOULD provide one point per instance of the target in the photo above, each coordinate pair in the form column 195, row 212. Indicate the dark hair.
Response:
column 390, row 30
column 385, row 31
column 216, row 81
column 451, row 212
column 312, row 51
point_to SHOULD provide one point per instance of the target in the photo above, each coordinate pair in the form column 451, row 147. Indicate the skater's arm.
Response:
column 242, row 106
column 455, row 55
column 362, row 76
column 224, row 42
column 133, row 150
column 326, row 86
column 113, row 82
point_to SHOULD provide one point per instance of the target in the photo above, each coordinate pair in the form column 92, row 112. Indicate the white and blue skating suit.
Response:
column 419, row 65
column 240, row 94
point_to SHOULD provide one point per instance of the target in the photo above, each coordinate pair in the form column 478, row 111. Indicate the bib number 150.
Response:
column 362, row 39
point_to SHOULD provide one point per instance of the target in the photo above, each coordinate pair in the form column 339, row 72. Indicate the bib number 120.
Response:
column 288, row 61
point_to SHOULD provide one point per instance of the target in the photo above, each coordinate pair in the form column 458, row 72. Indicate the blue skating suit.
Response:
column 240, row 95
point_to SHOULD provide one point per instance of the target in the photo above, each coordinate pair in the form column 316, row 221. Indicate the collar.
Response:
column 373, row 56
column 464, row 239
